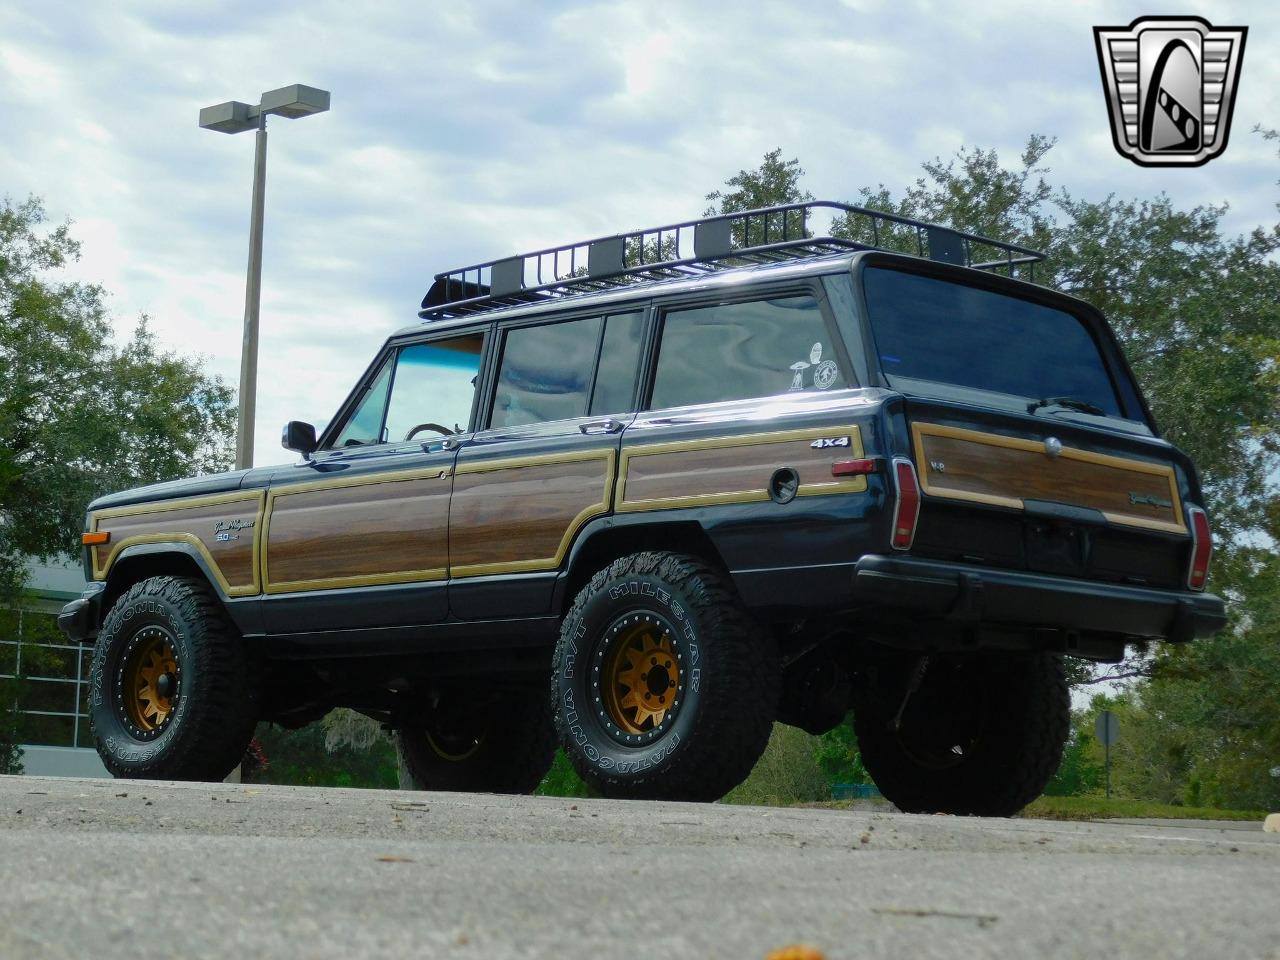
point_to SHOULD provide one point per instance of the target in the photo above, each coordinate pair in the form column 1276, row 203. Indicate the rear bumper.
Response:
column 963, row 593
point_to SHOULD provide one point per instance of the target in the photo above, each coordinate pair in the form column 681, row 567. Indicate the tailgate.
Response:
column 961, row 464
column 1047, row 496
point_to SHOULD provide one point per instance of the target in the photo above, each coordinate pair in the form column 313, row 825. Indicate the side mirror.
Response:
column 300, row 436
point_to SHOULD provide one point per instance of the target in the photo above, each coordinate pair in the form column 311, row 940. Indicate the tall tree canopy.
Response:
column 80, row 414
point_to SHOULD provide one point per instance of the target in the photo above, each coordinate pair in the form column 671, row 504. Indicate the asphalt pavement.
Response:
column 106, row 869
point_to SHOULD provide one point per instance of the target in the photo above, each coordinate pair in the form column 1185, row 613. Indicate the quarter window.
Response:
column 365, row 425
column 736, row 351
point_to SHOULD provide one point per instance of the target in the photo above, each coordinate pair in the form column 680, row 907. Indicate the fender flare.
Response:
column 168, row 547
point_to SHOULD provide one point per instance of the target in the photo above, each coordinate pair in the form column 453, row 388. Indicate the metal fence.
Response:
column 52, row 702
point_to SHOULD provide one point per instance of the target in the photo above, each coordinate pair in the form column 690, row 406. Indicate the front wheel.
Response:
column 173, row 690
column 500, row 742
column 978, row 735
column 663, row 687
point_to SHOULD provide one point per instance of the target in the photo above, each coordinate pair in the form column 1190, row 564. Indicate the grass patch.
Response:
column 1100, row 808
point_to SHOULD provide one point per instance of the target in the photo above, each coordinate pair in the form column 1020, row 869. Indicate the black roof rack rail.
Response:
column 698, row 247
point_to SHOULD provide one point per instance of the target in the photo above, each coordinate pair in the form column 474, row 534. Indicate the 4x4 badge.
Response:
column 1170, row 84
column 825, row 442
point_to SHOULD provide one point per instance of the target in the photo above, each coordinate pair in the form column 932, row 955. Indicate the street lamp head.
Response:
column 295, row 101
column 229, row 117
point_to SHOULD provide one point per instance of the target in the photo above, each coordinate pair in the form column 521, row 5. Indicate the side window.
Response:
column 431, row 388
column 736, row 351
column 619, row 364
column 434, row 387
column 546, row 372
column 365, row 425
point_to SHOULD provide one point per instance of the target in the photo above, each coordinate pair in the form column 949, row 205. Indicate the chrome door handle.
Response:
column 609, row 425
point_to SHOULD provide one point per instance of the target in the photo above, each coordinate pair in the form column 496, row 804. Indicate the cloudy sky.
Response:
column 468, row 131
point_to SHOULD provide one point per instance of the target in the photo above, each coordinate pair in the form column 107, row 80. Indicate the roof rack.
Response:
column 698, row 247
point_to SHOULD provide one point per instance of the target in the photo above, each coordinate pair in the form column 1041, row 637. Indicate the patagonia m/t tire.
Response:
column 174, row 692
column 663, row 687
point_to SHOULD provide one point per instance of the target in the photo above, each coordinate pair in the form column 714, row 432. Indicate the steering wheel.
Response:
column 445, row 431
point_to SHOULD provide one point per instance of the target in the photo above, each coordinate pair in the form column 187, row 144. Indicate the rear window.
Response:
column 940, row 332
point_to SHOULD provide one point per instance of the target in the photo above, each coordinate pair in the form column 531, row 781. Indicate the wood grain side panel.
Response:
column 196, row 523
column 521, row 517
column 358, row 534
column 1007, row 471
column 733, row 469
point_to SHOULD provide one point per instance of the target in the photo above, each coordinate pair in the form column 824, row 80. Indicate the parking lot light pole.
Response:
column 235, row 117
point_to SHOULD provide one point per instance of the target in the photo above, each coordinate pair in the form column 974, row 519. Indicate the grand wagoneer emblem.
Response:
column 225, row 531
column 1170, row 84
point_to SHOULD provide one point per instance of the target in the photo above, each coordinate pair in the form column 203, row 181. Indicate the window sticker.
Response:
column 797, row 381
column 826, row 374
column 815, row 353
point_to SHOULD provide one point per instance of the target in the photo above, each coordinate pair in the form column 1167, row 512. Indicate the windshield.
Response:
column 936, row 331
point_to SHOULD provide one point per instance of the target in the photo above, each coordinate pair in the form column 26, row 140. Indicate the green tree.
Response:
column 80, row 415
column 10, row 755
column 312, row 757
column 774, row 183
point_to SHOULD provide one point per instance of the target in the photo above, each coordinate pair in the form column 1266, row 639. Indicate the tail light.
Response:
column 907, row 513
column 1201, row 548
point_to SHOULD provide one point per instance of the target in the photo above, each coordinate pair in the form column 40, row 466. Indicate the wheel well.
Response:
column 130, row 570
column 604, row 547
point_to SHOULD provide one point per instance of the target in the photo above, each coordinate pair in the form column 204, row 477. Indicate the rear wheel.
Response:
column 663, row 687
column 496, row 743
column 978, row 735
column 173, row 691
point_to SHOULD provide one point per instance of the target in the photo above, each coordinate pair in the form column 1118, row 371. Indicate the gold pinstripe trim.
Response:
column 101, row 567
column 854, row 485
column 589, row 512
column 357, row 580
column 921, row 430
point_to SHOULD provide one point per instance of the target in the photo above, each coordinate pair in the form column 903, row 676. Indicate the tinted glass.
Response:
column 365, row 425
column 546, row 373
column 434, row 386
column 928, row 329
column 619, row 364
column 734, row 351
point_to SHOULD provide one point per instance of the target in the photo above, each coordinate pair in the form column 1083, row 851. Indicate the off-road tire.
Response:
column 501, row 744
column 1023, row 718
column 217, row 698
column 723, row 706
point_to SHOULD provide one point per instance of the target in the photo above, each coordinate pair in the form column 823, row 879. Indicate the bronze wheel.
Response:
column 148, row 681
column 663, row 687
column 981, row 736
column 456, row 742
column 475, row 740
column 640, row 683
column 174, row 692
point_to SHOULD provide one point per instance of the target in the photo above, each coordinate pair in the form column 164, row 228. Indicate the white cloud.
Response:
column 462, row 132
